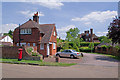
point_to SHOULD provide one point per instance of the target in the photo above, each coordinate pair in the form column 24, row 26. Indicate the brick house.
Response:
column 89, row 37
column 44, row 36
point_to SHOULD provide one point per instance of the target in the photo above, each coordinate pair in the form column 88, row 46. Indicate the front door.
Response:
column 48, row 50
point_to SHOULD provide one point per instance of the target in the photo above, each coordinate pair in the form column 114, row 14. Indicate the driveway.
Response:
column 98, row 60
column 90, row 66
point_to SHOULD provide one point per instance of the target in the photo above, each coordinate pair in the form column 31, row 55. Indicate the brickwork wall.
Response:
column 11, row 52
column 44, row 51
column 28, row 38
column 53, row 39
column 111, row 50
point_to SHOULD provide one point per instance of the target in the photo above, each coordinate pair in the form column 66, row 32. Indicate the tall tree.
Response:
column 10, row 32
column 73, row 32
column 114, row 31
column 104, row 39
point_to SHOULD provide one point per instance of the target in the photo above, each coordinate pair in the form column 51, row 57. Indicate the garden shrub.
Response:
column 87, row 43
column 86, row 49
column 29, row 50
column 34, row 54
column 117, row 47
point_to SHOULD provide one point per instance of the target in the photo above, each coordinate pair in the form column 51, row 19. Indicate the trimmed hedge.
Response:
column 86, row 49
column 87, row 43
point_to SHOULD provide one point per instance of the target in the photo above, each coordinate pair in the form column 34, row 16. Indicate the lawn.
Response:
column 40, row 63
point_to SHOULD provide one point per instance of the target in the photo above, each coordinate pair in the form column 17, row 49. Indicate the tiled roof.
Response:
column 107, row 44
column 3, row 37
column 31, row 24
column 44, row 28
column 47, row 28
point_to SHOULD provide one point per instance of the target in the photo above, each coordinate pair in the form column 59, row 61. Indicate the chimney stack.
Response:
column 36, row 17
column 91, row 31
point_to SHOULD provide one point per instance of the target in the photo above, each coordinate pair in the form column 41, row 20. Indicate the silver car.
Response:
column 69, row 53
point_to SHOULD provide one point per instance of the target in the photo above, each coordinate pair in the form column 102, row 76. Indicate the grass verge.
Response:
column 40, row 63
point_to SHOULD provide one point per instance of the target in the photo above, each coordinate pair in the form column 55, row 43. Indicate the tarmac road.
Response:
column 91, row 66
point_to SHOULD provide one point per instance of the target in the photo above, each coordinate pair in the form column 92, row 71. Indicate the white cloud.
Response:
column 52, row 4
column 29, row 13
column 66, row 28
column 62, row 31
column 99, row 16
column 101, row 33
column 7, row 27
column 87, row 23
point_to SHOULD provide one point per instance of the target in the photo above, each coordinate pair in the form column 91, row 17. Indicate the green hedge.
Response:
column 87, row 43
column 86, row 49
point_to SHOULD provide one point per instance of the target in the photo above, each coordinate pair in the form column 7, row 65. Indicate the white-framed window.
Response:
column 54, row 33
column 33, row 44
column 17, row 44
column 28, row 44
column 25, row 31
column 54, row 45
column 22, row 44
column 41, row 46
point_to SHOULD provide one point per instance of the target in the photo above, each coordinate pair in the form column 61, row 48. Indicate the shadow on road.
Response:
column 68, row 57
column 106, row 58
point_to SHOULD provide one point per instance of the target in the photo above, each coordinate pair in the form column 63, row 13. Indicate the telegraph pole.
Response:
column 19, row 35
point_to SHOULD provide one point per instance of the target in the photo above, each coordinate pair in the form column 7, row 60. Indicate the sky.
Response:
column 65, row 15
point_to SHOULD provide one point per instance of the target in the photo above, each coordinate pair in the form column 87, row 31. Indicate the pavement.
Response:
column 90, row 66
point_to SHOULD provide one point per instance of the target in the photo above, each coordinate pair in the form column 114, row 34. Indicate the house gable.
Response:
column 52, row 37
column 6, row 39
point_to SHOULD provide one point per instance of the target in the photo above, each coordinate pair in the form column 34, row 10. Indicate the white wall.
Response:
column 6, row 39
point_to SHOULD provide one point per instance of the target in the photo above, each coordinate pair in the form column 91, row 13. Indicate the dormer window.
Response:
column 54, row 33
column 25, row 31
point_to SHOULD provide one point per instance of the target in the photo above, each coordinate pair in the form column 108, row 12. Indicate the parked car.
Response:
column 69, row 53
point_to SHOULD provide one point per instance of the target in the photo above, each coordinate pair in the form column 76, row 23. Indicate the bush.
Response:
column 103, row 46
column 117, row 47
column 34, row 54
column 86, row 49
column 29, row 50
column 87, row 43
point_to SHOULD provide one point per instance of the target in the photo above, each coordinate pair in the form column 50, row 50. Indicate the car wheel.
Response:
column 57, row 55
column 72, row 56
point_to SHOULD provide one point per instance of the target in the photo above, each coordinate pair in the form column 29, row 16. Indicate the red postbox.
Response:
column 20, row 54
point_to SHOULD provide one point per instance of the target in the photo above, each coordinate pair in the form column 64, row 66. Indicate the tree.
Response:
column 101, row 37
column 66, row 46
column 9, row 33
column 114, row 31
column 69, row 37
column 106, row 40
column 75, row 47
column 73, row 32
column 91, row 45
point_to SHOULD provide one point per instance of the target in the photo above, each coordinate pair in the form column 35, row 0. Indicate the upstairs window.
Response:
column 54, row 45
column 33, row 44
column 25, row 31
column 54, row 33
column 28, row 44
